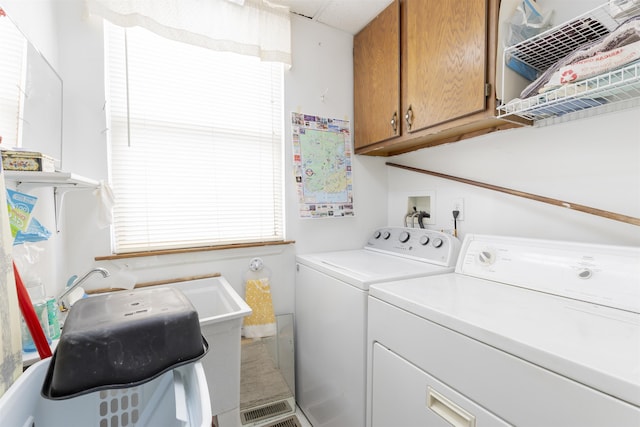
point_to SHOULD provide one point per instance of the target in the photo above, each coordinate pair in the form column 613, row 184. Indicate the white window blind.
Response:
column 196, row 142
column 12, row 81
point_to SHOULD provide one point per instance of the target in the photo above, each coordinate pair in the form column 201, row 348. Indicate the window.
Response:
column 196, row 140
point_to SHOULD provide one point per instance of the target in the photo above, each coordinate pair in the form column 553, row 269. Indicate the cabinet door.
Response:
column 376, row 68
column 446, row 60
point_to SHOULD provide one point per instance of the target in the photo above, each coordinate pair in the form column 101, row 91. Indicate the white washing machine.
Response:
column 525, row 332
column 331, row 315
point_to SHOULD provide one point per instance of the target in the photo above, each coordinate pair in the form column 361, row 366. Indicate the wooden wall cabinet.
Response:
column 424, row 75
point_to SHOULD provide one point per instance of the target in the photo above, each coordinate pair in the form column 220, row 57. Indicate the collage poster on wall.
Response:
column 322, row 156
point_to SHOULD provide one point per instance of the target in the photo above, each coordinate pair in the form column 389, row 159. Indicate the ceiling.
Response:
column 347, row 15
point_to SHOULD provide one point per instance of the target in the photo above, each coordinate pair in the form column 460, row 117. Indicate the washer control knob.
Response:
column 404, row 237
column 437, row 242
column 585, row 273
column 424, row 240
column 377, row 235
column 486, row 257
column 386, row 235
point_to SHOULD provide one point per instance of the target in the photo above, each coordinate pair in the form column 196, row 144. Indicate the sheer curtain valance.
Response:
column 249, row 27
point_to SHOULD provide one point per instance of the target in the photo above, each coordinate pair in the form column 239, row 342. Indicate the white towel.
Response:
column 106, row 199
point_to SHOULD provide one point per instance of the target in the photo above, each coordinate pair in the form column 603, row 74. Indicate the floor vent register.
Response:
column 291, row 421
column 267, row 411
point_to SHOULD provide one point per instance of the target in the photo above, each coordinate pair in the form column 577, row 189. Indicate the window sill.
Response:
column 191, row 250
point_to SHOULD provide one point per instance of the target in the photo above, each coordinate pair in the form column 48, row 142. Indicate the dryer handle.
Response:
column 448, row 410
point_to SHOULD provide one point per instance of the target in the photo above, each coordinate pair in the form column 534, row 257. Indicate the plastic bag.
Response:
column 20, row 206
column 24, row 228
column 262, row 321
column 35, row 232
column 527, row 21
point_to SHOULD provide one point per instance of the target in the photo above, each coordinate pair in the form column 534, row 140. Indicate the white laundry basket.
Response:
column 177, row 398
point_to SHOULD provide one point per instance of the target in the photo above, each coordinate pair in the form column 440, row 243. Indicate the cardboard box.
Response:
column 27, row 161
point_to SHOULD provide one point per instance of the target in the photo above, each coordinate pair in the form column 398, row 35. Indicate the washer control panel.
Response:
column 601, row 274
column 416, row 243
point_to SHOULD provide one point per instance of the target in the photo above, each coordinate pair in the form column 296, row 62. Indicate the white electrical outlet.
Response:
column 458, row 205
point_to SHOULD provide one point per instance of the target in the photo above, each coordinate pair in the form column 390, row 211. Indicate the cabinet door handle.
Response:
column 394, row 122
column 448, row 410
column 409, row 117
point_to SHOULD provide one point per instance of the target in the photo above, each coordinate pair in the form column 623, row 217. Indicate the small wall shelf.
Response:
column 592, row 94
column 62, row 182
column 50, row 179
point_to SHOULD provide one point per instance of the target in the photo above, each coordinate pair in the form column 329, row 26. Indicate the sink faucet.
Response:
column 78, row 282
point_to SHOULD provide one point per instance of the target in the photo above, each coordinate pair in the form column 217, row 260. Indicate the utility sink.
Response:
column 215, row 300
column 220, row 310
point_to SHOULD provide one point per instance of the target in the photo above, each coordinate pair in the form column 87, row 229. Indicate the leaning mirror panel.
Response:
column 30, row 95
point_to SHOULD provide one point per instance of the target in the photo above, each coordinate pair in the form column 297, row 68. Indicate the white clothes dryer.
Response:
column 525, row 332
column 331, row 315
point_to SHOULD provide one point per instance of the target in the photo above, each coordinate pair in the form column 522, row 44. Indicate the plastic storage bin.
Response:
column 177, row 398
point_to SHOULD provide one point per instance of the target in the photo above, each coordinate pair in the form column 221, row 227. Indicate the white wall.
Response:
column 593, row 162
column 322, row 65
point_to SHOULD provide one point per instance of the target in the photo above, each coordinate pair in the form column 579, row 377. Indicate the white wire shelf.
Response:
column 543, row 51
column 614, row 87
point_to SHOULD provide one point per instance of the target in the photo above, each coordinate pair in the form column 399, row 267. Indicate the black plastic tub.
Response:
column 123, row 339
